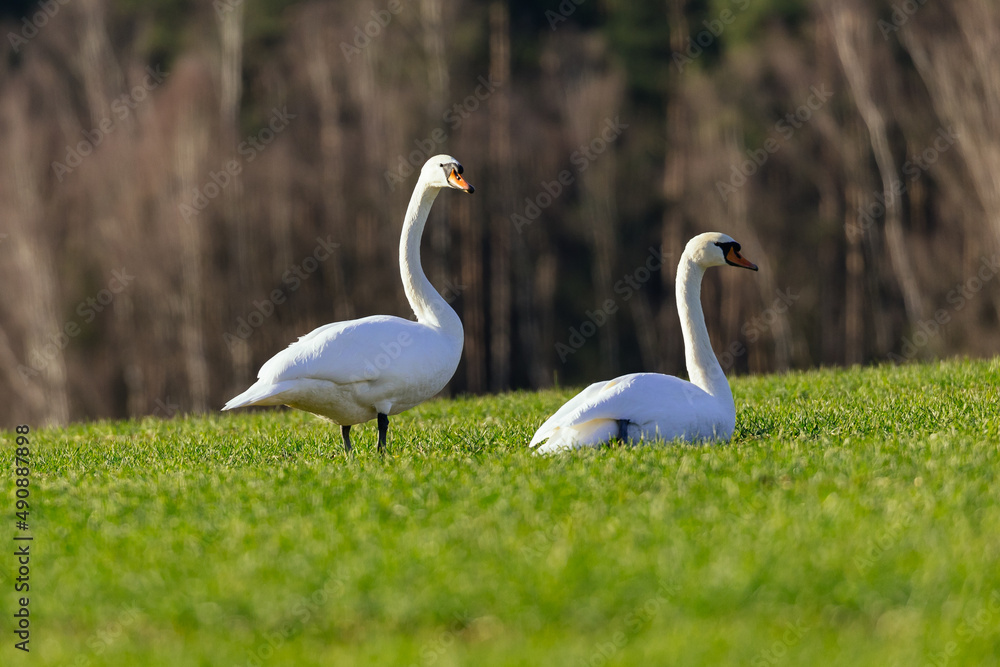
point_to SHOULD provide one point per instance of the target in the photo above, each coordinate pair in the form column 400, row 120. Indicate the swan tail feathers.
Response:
column 593, row 433
column 258, row 394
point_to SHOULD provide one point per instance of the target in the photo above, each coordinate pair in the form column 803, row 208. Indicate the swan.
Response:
column 371, row 368
column 650, row 405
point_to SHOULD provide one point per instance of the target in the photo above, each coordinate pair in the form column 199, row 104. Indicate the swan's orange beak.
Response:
column 460, row 183
column 736, row 259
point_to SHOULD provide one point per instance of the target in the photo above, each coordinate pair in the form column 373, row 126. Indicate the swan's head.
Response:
column 716, row 249
column 444, row 171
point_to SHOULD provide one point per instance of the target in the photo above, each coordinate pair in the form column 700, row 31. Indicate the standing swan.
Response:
column 654, row 406
column 352, row 372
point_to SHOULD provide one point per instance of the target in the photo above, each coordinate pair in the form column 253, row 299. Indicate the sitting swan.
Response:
column 650, row 405
column 352, row 372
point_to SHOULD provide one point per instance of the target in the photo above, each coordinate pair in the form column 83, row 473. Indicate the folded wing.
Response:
column 644, row 399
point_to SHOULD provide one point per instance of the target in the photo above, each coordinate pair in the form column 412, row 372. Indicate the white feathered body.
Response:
column 657, row 407
column 351, row 371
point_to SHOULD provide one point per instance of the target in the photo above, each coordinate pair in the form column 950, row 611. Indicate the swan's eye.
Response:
column 455, row 180
column 731, row 253
column 726, row 247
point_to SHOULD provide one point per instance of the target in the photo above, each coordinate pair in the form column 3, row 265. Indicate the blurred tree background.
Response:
column 186, row 187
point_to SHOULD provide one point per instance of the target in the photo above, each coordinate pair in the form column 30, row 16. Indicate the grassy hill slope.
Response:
column 853, row 520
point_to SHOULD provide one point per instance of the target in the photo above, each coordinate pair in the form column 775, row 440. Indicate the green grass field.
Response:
column 853, row 520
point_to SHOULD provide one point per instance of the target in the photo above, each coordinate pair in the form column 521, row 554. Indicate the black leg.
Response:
column 623, row 431
column 383, row 430
column 345, row 432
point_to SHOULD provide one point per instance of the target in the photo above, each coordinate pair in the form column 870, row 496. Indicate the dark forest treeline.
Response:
column 186, row 187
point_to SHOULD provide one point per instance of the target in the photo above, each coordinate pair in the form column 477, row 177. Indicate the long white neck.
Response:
column 429, row 306
column 702, row 365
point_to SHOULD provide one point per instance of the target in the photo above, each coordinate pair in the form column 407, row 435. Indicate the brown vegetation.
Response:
column 171, row 218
